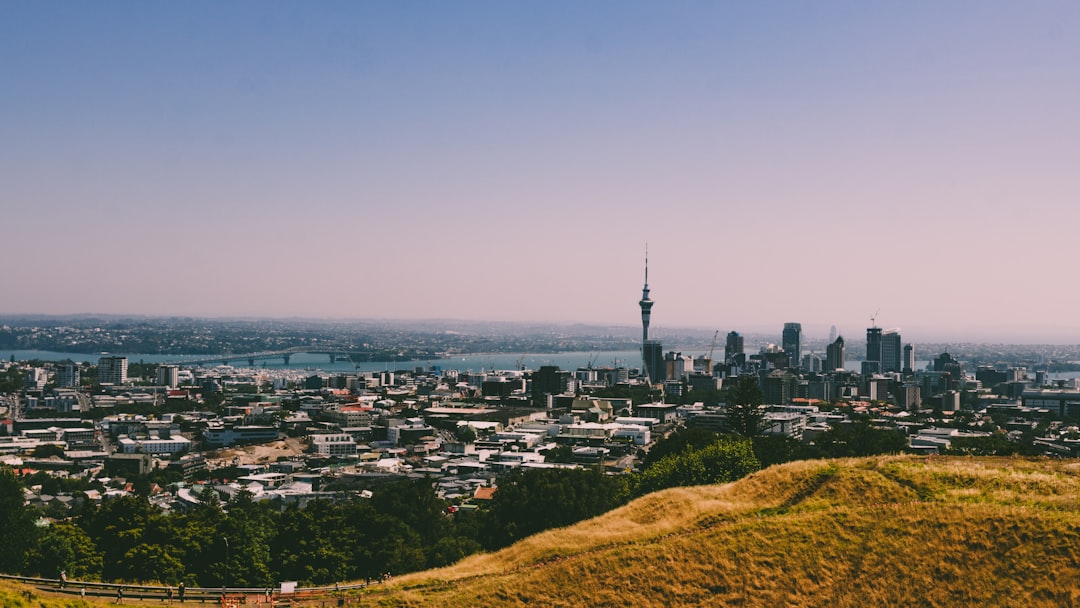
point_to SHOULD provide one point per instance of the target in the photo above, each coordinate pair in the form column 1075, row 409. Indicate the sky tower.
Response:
column 645, row 303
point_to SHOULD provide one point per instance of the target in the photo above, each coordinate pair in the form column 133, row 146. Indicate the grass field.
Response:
column 885, row 531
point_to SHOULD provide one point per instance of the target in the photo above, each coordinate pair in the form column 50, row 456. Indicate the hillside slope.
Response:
column 886, row 531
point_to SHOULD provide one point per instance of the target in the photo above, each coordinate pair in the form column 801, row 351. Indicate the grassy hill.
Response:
column 885, row 531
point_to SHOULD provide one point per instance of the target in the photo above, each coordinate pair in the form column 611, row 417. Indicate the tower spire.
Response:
column 646, row 303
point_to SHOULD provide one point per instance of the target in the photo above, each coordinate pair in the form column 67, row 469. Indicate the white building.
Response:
column 168, row 375
column 154, row 445
column 338, row 444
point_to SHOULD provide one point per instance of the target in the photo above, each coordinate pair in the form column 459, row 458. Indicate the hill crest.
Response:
column 892, row 530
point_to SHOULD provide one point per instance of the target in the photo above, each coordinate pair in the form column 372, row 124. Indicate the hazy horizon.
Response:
column 787, row 161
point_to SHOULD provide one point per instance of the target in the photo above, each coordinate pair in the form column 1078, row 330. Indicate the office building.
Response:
column 652, row 353
column 791, row 342
column 67, row 375
column 168, row 375
column 909, row 359
column 112, row 370
column 835, row 355
column 873, row 347
column 733, row 346
column 891, row 351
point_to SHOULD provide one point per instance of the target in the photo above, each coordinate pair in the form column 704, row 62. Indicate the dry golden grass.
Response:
column 887, row 531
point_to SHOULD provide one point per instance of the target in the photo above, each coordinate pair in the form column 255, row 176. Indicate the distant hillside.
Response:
column 887, row 531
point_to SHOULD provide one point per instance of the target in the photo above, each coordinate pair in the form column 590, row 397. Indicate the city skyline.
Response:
column 789, row 162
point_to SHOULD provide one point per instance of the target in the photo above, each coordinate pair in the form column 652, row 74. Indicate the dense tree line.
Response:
column 403, row 527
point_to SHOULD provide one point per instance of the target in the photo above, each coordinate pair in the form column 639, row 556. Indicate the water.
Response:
column 472, row 362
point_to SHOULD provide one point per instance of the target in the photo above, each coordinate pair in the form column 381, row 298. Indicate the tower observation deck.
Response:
column 646, row 303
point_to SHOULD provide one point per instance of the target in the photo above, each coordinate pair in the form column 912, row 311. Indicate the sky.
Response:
column 819, row 162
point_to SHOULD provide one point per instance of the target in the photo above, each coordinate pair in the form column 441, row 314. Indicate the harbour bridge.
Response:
column 335, row 355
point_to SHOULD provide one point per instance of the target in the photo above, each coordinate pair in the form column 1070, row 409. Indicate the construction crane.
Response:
column 713, row 347
column 521, row 362
column 873, row 318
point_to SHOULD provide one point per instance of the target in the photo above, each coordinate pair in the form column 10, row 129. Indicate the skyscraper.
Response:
column 652, row 352
column 112, row 370
column 792, row 343
column 834, row 355
column 891, row 351
column 909, row 358
column 733, row 346
column 873, row 348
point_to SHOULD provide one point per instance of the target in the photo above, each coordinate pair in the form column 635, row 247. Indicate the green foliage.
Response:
column 562, row 453
column 465, row 433
column 724, row 460
column 531, row 501
column 17, row 531
column 678, row 442
column 64, row 546
column 996, row 444
column 12, row 380
column 744, row 415
column 860, row 438
column 778, row 449
column 48, row 451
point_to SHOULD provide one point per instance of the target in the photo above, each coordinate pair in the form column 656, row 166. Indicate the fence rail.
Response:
column 229, row 597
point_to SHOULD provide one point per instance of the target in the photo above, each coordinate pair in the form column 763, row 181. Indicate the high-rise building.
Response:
column 733, row 346
column 112, row 370
column 835, row 355
column 168, row 375
column 891, row 351
column 67, row 375
column 652, row 353
column 873, row 346
column 791, row 342
column 909, row 358
column 833, row 334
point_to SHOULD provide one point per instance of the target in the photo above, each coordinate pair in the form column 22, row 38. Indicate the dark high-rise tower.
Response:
column 734, row 346
column 792, row 343
column 835, row 355
column 891, row 351
column 645, row 303
column 873, row 349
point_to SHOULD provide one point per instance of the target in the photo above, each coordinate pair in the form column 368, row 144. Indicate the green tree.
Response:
column 47, row 451
column 116, row 528
column 743, row 413
column 860, row 438
column 17, row 531
column 561, row 453
column 64, row 546
column 677, row 442
column 531, row 501
column 465, row 433
column 724, row 460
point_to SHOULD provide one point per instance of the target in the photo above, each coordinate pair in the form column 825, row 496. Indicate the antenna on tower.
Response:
column 646, row 264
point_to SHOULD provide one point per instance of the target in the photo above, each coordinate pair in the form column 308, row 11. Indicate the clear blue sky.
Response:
column 785, row 161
